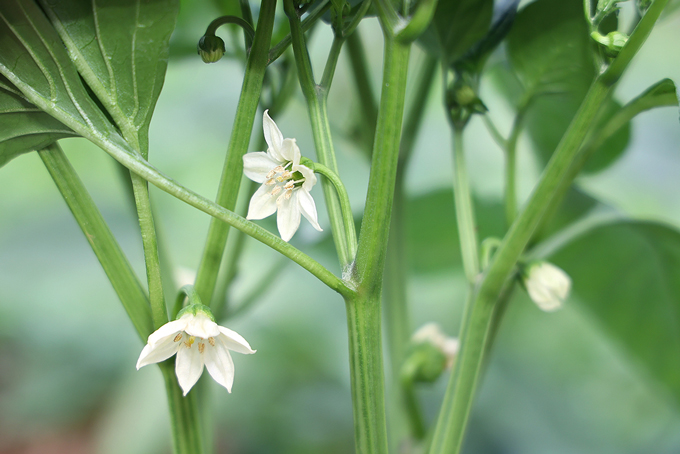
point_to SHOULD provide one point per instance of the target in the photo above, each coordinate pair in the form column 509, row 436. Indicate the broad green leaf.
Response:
column 120, row 47
column 457, row 25
column 549, row 48
column 551, row 52
column 24, row 127
column 628, row 275
column 33, row 58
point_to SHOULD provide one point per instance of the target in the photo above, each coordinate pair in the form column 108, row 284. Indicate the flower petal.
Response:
column 308, row 207
column 288, row 218
column 219, row 364
column 272, row 135
column 234, row 341
column 257, row 165
column 188, row 366
column 262, row 204
column 310, row 178
column 202, row 326
column 290, row 152
column 158, row 352
column 169, row 330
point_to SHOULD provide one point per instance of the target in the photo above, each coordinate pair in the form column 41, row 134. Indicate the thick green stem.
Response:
column 184, row 421
column 102, row 241
column 465, row 215
column 450, row 429
column 364, row 311
column 232, row 173
column 316, row 96
column 366, row 373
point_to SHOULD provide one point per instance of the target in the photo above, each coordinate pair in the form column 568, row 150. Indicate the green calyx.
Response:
column 195, row 309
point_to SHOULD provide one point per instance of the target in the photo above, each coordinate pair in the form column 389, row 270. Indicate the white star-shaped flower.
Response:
column 197, row 340
column 547, row 285
column 285, row 182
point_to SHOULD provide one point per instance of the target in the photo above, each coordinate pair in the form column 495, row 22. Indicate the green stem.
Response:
column 307, row 23
column 346, row 208
column 448, row 436
column 364, row 311
column 159, row 312
column 238, row 145
column 100, row 238
column 465, row 216
column 396, row 312
column 369, row 108
column 184, row 421
column 511, row 169
column 316, row 96
column 366, row 373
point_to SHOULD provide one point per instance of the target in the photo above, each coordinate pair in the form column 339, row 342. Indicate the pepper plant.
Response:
column 94, row 69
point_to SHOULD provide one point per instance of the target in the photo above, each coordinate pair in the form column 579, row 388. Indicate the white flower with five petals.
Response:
column 285, row 182
column 197, row 340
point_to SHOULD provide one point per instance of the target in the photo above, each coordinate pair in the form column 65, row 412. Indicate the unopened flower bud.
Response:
column 547, row 285
column 211, row 48
column 430, row 354
column 613, row 41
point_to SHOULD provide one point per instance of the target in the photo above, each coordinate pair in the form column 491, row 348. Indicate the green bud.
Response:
column 211, row 48
column 613, row 42
column 424, row 364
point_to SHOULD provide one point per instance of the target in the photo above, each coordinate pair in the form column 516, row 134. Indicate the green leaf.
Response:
column 551, row 52
column 549, row 48
column 24, row 127
column 628, row 275
column 33, row 58
column 456, row 26
column 120, row 47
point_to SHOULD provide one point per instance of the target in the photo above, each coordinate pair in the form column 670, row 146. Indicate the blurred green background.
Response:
column 556, row 383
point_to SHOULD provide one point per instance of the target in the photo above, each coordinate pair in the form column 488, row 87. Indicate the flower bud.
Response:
column 211, row 48
column 430, row 354
column 547, row 285
column 613, row 42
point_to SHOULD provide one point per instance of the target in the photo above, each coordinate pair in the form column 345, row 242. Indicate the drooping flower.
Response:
column 547, row 285
column 432, row 333
column 285, row 182
column 197, row 340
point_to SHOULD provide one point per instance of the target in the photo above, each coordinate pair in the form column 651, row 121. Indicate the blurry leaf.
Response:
column 121, row 49
column 475, row 58
column 614, row 145
column 628, row 274
column 456, row 26
column 33, row 58
column 549, row 48
column 24, row 127
column 574, row 206
column 661, row 94
column 432, row 233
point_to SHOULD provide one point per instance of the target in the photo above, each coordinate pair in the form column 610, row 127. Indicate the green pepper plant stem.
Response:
column 103, row 243
column 364, row 321
column 465, row 215
column 184, row 421
column 316, row 97
column 454, row 414
column 232, row 173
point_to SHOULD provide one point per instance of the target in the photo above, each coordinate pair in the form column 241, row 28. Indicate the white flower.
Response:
column 547, row 285
column 285, row 182
column 432, row 333
column 197, row 340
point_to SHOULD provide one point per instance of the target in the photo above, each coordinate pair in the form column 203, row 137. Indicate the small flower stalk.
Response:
column 547, row 285
column 197, row 341
column 285, row 182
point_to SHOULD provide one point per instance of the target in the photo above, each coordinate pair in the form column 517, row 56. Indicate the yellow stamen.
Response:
column 178, row 337
column 212, row 341
column 201, row 347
